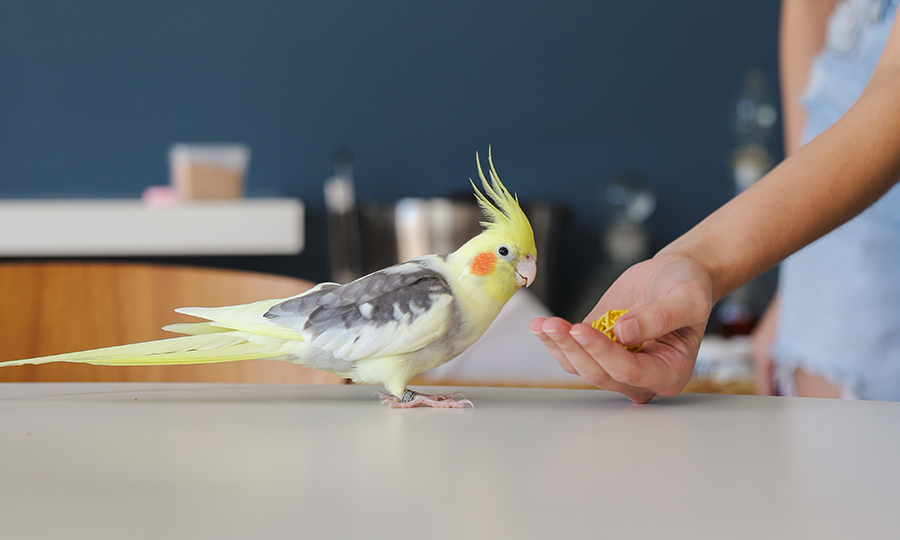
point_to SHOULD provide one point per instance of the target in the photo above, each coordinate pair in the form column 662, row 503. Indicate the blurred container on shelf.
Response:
column 344, row 243
column 626, row 201
column 208, row 171
column 629, row 202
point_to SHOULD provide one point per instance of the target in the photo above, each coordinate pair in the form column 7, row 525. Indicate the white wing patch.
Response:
column 403, row 335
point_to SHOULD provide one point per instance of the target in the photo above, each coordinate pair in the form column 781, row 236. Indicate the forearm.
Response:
column 818, row 188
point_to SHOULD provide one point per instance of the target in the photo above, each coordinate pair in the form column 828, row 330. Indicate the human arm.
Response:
column 762, row 338
column 801, row 34
column 817, row 188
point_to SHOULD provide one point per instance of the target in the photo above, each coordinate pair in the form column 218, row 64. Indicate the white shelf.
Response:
column 84, row 228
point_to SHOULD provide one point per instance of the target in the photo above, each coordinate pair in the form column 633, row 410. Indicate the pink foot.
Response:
column 412, row 399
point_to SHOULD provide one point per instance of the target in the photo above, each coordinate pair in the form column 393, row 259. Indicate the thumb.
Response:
column 655, row 320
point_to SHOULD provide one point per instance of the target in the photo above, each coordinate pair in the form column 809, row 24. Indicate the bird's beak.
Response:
column 526, row 270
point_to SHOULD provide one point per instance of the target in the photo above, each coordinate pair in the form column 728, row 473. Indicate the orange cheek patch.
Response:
column 483, row 263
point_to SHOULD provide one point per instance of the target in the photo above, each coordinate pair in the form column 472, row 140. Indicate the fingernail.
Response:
column 627, row 331
column 580, row 338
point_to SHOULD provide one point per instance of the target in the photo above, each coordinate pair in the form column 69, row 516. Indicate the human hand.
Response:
column 762, row 338
column 669, row 299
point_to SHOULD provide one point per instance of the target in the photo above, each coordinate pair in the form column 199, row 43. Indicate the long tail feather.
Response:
column 197, row 349
column 195, row 329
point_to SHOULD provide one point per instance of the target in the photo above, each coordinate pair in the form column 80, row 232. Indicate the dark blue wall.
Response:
column 568, row 93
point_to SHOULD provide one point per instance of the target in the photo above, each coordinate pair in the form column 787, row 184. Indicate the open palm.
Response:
column 669, row 299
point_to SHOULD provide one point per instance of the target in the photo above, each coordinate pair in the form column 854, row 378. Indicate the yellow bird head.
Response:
column 504, row 254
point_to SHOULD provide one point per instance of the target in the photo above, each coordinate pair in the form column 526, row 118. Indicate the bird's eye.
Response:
column 503, row 251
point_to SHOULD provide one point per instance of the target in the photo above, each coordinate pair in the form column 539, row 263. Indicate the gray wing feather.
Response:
column 352, row 320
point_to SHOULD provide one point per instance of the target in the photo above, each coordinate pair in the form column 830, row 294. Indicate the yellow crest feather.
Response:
column 502, row 210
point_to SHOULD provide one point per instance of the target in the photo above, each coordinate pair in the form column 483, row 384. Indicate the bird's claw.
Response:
column 441, row 401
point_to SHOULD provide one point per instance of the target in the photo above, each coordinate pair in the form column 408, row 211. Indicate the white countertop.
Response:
column 125, row 227
column 128, row 461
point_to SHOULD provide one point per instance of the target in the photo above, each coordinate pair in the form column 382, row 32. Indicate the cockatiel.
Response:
column 384, row 328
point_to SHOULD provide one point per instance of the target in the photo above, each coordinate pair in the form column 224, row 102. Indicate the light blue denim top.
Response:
column 841, row 295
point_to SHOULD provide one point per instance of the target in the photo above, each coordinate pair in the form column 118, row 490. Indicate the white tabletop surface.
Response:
column 122, row 461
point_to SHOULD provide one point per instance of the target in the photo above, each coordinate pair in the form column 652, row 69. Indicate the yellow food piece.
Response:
column 605, row 324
